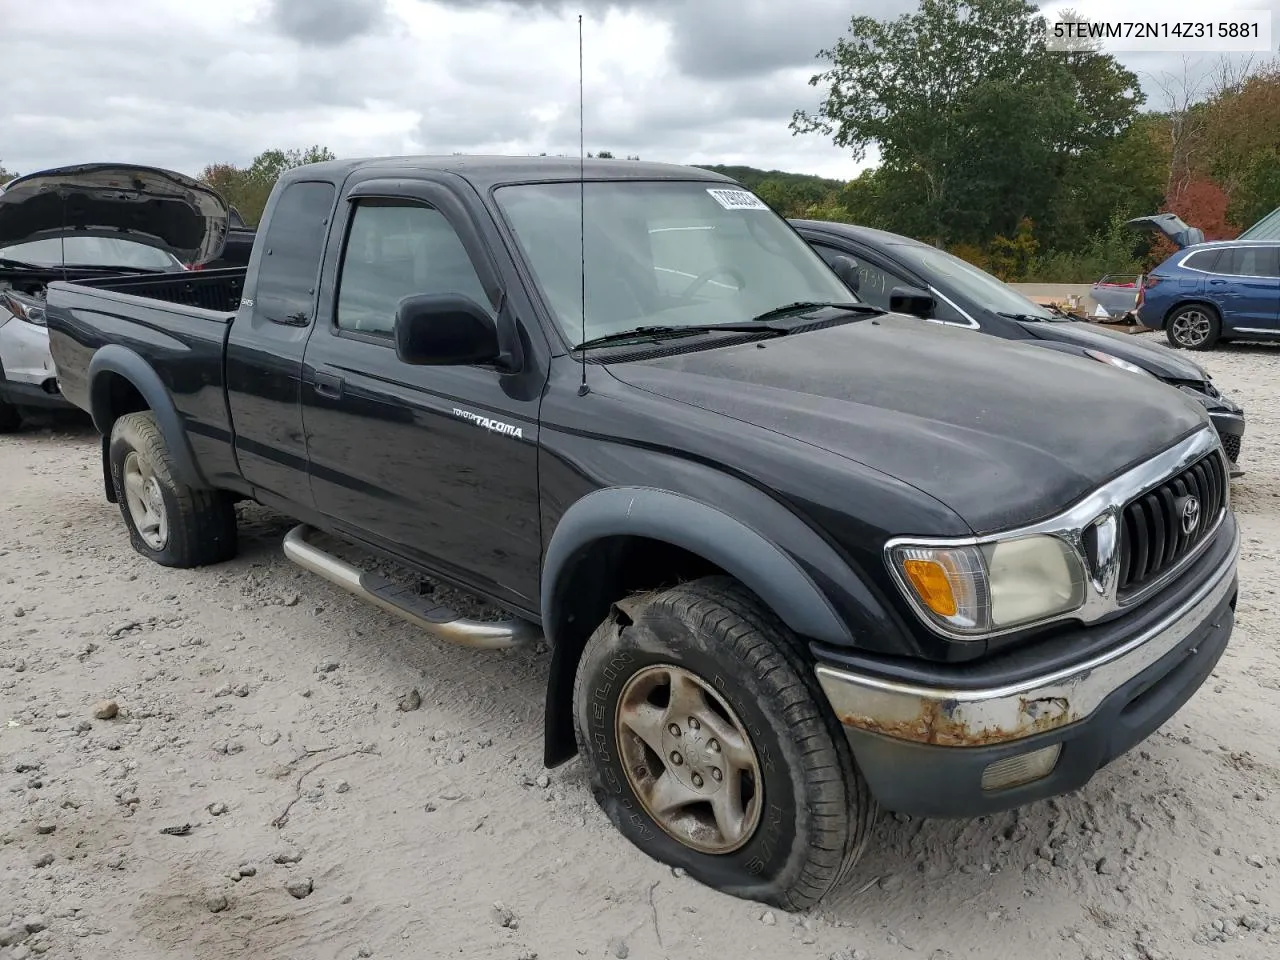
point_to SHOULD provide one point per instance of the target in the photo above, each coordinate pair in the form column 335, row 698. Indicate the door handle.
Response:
column 1217, row 283
column 328, row 385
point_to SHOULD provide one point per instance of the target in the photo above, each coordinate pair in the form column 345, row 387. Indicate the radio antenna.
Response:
column 583, row 389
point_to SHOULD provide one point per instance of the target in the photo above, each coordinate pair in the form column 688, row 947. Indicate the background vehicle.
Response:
column 794, row 554
column 955, row 292
column 236, row 249
column 79, row 222
column 1215, row 292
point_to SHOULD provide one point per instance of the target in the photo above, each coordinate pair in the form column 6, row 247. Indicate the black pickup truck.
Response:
column 797, row 557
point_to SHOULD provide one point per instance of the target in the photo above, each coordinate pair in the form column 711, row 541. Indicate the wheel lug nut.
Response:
column 697, row 780
column 675, row 729
column 693, row 723
column 716, row 774
column 676, row 758
column 713, row 746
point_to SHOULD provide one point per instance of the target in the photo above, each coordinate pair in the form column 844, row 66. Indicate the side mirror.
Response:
column 445, row 330
column 846, row 269
column 913, row 301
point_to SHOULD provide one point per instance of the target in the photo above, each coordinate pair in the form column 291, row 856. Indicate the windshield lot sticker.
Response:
column 738, row 199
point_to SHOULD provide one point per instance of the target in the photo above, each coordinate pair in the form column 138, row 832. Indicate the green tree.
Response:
column 6, row 175
column 972, row 117
column 248, row 188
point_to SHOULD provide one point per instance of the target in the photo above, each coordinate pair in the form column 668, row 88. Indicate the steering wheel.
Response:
column 701, row 280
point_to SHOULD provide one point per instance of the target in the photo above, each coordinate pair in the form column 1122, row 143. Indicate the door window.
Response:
column 874, row 282
column 397, row 250
column 1248, row 262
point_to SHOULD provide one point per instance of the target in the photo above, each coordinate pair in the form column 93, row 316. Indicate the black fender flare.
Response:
column 754, row 559
column 120, row 360
column 744, row 553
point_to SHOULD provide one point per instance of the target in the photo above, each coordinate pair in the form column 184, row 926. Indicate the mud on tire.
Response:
column 813, row 811
column 168, row 521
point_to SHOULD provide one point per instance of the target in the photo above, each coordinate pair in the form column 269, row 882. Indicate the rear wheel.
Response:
column 168, row 521
column 1194, row 327
column 709, row 747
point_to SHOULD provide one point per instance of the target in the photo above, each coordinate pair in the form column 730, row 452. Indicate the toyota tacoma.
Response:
column 797, row 557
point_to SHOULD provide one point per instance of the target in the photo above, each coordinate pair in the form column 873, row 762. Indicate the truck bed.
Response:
column 215, row 290
column 181, row 317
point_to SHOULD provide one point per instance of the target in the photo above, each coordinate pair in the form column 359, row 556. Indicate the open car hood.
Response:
column 1170, row 225
column 147, row 205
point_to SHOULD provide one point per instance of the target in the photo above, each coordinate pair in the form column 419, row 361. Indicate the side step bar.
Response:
column 439, row 621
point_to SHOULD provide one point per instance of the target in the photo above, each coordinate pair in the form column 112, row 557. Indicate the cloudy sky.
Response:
column 182, row 83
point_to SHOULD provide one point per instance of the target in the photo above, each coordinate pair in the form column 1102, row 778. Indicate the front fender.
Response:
column 123, row 362
column 757, row 562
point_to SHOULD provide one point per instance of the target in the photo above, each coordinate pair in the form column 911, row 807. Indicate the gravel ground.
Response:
column 233, row 762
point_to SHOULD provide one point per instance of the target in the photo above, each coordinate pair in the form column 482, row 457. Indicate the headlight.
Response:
column 24, row 308
column 975, row 590
column 1117, row 362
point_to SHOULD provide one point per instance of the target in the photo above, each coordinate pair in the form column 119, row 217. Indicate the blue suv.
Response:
column 1210, row 293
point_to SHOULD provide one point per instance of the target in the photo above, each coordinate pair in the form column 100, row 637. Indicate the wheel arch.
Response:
column 1190, row 302
column 621, row 539
column 121, row 382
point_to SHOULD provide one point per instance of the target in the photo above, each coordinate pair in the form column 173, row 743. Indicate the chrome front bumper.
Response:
column 968, row 718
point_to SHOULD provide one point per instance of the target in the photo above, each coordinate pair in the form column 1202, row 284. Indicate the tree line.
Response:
column 1028, row 161
column 1022, row 160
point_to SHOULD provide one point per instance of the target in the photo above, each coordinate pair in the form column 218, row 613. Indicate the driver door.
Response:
column 437, row 464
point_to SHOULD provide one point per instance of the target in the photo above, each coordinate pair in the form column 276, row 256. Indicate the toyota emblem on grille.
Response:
column 1190, row 512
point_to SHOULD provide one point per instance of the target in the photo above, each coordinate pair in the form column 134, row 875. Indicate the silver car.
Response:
column 81, row 222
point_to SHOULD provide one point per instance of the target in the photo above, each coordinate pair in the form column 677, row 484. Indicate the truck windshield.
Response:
column 662, row 253
column 90, row 251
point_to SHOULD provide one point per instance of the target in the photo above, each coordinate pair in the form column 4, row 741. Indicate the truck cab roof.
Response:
column 485, row 172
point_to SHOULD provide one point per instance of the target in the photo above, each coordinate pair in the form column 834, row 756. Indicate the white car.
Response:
column 80, row 222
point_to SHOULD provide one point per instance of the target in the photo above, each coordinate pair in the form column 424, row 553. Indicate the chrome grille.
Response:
column 1165, row 524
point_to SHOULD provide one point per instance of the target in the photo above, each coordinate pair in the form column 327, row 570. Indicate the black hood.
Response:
column 1002, row 432
column 158, row 208
column 1153, row 357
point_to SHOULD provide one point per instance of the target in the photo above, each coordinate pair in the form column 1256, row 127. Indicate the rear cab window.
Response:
column 292, row 247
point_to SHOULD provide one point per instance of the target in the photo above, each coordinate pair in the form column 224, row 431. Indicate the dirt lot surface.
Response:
column 271, row 787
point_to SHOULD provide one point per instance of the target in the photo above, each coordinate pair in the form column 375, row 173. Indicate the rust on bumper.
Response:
column 971, row 718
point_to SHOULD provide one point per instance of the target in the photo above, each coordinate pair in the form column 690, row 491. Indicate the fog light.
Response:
column 1021, row 768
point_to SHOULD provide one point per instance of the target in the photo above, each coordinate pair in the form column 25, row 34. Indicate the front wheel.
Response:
column 168, row 521
column 709, row 747
column 1195, row 327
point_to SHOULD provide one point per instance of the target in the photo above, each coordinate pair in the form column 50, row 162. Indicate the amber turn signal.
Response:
column 932, row 586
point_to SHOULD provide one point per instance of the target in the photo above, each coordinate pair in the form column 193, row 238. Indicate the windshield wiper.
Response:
column 675, row 330
column 758, row 323
column 20, row 264
column 6, row 263
column 800, row 305
column 1029, row 317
